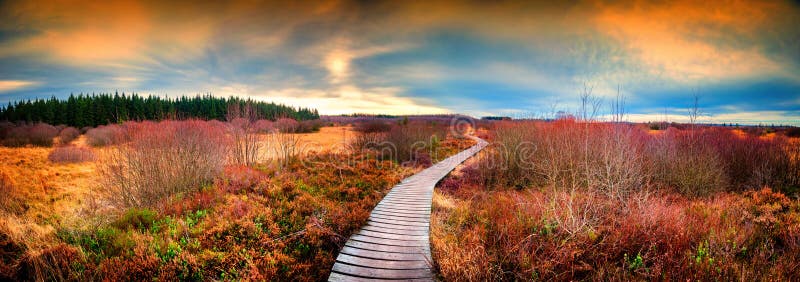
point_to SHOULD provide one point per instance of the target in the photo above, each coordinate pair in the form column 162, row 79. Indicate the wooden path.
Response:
column 395, row 245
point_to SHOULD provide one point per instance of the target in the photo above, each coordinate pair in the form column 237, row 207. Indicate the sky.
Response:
column 511, row 58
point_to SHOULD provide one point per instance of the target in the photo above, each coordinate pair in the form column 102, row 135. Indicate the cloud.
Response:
column 351, row 99
column 690, row 41
column 10, row 85
column 410, row 56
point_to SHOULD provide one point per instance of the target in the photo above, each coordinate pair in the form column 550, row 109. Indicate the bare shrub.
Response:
column 105, row 135
column 71, row 154
column 40, row 134
column 246, row 142
column 287, row 142
column 286, row 125
column 409, row 142
column 5, row 128
column 686, row 165
column 308, row 126
column 264, row 126
column 163, row 159
column 364, row 140
column 750, row 161
column 619, row 163
column 373, row 126
column 68, row 134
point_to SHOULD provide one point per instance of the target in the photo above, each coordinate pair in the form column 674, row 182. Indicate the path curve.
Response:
column 395, row 242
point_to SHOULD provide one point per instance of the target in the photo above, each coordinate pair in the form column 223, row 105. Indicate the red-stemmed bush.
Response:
column 67, row 135
column 105, row 135
column 71, row 154
column 163, row 159
column 40, row 134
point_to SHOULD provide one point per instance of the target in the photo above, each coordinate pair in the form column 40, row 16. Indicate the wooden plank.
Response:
column 403, row 215
column 391, row 227
column 405, row 237
column 380, row 273
column 383, row 255
column 389, row 264
column 336, row 277
column 389, row 249
column 391, row 242
column 398, row 222
column 403, row 220
column 423, row 212
column 395, row 231
column 411, row 203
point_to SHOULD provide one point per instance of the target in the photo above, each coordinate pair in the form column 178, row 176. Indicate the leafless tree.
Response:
column 247, row 144
column 286, row 140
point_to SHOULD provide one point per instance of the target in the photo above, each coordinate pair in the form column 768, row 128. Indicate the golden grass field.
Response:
column 64, row 194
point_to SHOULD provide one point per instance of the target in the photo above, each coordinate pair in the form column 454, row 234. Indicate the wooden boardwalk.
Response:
column 395, row 244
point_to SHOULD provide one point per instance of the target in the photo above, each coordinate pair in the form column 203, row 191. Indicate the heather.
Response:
column 582, row 200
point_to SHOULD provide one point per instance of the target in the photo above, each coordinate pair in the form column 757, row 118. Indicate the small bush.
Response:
column 373, row 126
column 5, row 128
column 286, row 125
column 163, row 159
column 309, row 126
column 71, row 154
column 40, row 134
column 263, row 126
column 68, row 134
column 106, row 135
column 408, row 142
column 139, row 219
column 793, row 132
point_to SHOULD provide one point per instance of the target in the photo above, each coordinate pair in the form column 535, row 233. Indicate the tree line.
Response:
column 93, row 110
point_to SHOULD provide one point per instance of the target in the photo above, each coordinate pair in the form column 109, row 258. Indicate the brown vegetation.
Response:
column 214, row 219
column 571, row 200
column 163, row 159
column 71, row 154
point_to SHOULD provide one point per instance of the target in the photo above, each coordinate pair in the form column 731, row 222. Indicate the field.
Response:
column 547, row 200
column 275, row 219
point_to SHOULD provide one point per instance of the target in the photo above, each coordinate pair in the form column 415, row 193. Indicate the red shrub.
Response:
column 142, row 266
column 105, row 135
column 236, row 179
column 71, row 154
column 68, row 134
column 373, row 126
column 163, row 159
column 40, row 134
column 286, row 125
column 264, row 126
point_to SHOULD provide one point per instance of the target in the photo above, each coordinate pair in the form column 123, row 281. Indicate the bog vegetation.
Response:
column 205, row 200
column 576, row 199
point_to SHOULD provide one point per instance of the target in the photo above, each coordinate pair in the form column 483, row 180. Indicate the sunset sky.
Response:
column 408, row 57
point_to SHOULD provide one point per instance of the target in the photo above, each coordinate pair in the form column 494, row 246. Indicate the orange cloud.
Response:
column 694, row 40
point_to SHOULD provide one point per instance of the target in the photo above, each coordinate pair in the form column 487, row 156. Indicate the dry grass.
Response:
column 50, row 192
column 327, row 139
